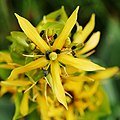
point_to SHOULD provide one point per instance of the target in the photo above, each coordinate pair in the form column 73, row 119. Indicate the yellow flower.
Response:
column 81, row 96
column 5, row 57
column 85, row 91
column 7, row 63
column 81, row 36
column 109, row 72
column 53, row 55
column 76, row 104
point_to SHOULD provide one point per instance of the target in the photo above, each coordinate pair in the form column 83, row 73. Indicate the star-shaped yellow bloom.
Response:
column 54, row 56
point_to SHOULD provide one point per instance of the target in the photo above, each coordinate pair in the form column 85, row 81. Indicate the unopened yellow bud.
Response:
column 32, row 46
column 67, row 42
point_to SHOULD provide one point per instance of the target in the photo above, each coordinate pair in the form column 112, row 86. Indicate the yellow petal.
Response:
column 86, row 31
column 59, row 42
column 76, row 87
column 90, row 92
column 7, row 89
column 32, row 33
column 24, row 107
column 43, row 108
column 101, row 75
column 90, row 44
column 57, row 85
column 81, row 106
column 56, row 112
column 72, row 70
column 40, row 62
column 5, row 57
column 70, row 115
column 7, row 66
column 82, row 64
column 15, row 83
column 89, row 53
column 79, row 78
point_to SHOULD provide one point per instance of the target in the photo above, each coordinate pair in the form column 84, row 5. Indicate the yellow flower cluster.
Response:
column 66, row 81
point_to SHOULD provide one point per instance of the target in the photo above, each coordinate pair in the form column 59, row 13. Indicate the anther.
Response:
column 73, row 53
column 47, row 54
column 73, row 47
column 58, row 51
column 55, row 36
column 45, row 72
column 41, row 33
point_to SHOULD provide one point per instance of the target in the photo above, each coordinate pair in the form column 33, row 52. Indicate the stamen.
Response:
column 58, row 51
column 47, row 54
column 30, row 87
column 55, row 36
column 41, row 33
column 45, row 72
column 32, row 55
column 73, row 47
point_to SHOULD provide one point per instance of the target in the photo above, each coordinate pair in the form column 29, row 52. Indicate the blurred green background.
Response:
column 107, row 21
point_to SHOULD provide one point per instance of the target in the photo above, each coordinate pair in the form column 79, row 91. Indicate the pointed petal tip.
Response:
column 93, row 18
column 16, row 15
column 62, row 7
column 77, row 8
column 102, row 68
column 98, row 33
column 66, row 107
column 93, row 15
column 64, row 104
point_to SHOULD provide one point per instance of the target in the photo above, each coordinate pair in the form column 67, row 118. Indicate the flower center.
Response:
column 53, row 56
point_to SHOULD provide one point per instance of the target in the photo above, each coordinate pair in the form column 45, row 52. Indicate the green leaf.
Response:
column 35, row 75
column 56, row 16
column 6, row 107
column 17, row 105
column 4, row 73
column 55, row 26
column 16, row 51
column 32, row 106
column 34, row 115
column 17, row 58
column 20, row 38
column 19, row 46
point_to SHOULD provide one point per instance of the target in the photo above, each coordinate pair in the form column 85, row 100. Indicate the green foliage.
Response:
column 4, row 73
column 6, row 107
column 18, row 99
column 55, row 21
